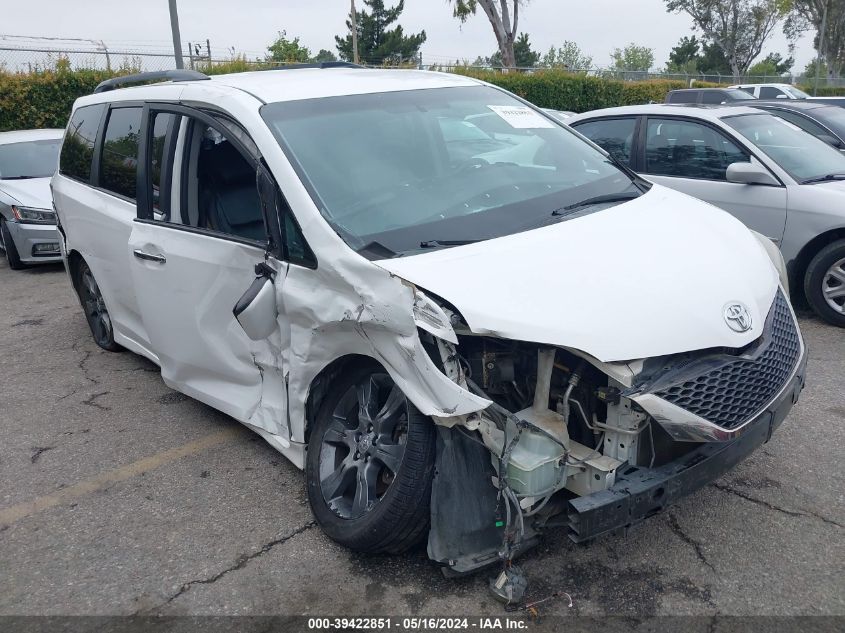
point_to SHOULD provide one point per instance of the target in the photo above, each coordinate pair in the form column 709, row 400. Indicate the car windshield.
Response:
column 795, row 92
column 29, row 159
column 803, row 156
column 426, row 168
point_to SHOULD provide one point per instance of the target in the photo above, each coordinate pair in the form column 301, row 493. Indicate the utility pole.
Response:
column 354, row 18
column 174, row 29
column 822, row 36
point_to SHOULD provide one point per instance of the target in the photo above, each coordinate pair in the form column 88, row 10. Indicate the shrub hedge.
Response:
column 44, row 99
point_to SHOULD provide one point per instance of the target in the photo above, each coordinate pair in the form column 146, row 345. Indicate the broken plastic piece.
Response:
column 510, row 585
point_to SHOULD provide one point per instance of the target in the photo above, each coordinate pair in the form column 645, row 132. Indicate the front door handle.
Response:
column 159, row 259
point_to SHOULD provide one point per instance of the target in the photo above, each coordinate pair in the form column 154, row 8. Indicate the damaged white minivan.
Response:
column 465, row 322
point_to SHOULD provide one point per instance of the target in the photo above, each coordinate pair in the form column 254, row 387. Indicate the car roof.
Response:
column 20, row 136
column 293, row 84
column 698, row 89
column 699, row 111
column 762, row 85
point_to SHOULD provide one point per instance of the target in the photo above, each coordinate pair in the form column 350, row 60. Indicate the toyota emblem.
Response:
column 737, row 317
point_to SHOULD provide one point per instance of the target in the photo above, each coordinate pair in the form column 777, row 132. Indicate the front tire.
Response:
column 95, row 309
column 12, row 255
column 824, row 283
column 370, row 464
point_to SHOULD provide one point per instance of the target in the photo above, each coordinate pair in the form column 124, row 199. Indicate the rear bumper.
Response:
column 646, row 491
column 28, row 239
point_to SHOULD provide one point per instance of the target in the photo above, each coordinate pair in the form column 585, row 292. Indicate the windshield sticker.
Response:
column 521, row 117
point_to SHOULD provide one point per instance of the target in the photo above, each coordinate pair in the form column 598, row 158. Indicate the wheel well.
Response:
column 319, row 387
column 73, row 261
column 799, row 267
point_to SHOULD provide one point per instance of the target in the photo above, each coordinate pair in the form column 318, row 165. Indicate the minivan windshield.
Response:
column 29, row 159
column 414, row 170
column 801, row 155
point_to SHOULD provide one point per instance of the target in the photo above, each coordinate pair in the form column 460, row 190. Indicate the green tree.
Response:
column 686, row 51
column 524, row 57
column 810, row 15
column 633, row 57
column 287, row 51
column 503, row 18
column 771, row 65
column 376, row 43
column 569, row 56
column 324, row 56
column 739, row 27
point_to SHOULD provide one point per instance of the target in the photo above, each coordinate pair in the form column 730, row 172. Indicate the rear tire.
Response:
column 370, row 464
column 824, row 283
column 95, row 309
column 12, row 255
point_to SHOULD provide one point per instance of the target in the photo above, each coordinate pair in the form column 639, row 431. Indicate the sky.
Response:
column 248, row 26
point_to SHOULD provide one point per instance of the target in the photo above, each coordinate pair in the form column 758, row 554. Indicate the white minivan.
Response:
column 462, row 333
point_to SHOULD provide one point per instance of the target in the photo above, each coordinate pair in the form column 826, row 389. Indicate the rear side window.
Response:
column 683, row 97
column 78, row 147
column 119, row 160
column 615, row 136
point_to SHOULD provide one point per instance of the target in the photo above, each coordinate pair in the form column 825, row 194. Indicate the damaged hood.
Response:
column 29, row 192
column 645, row 278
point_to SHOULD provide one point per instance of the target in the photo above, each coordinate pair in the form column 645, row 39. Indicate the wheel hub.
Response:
column 366, row 443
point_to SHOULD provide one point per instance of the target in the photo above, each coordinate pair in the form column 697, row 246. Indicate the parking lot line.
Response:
column 22, row 510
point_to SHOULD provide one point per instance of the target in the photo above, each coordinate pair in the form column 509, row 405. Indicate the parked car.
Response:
column 711, row 96
column 456, row 344
column 560, row 115
column 825, row 122
column 773, row 91
column 779, row 180
column 28, row 159
column 837, row 101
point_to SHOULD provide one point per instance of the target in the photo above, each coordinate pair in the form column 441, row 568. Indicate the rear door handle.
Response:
column 159, row 259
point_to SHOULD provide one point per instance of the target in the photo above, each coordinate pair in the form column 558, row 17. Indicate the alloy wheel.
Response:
column 95, row 309
column 362, row 449
column 833, row 286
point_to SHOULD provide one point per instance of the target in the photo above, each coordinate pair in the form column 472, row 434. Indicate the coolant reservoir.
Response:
column 533, row 467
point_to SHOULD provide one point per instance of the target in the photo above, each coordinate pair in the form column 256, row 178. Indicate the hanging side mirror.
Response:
column 256, row 311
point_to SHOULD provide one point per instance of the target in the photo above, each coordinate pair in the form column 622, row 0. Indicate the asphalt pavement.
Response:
column 119, row 496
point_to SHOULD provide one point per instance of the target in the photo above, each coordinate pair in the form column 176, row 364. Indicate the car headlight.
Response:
column 34, row 216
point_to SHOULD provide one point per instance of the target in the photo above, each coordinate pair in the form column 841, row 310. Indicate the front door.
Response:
column 193, row 257
column 693, row 158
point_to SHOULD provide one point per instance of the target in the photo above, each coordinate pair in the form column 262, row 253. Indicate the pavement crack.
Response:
column 38, row 451
column 92, row 401
column 240, row 563
column 771, row 506
column 686, row 538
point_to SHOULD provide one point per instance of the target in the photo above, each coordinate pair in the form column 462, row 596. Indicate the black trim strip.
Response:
column 206, row 232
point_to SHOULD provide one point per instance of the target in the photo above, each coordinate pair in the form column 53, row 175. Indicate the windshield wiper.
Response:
column 444, row 243
column 825, row 178
column 607, row 197
column 18, row 177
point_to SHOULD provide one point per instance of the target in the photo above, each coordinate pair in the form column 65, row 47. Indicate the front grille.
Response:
column 732, row 393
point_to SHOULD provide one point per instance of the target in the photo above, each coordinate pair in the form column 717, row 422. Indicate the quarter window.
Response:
column 78, row 147
column 685, row 149
column 119, row 160
column 615, row 136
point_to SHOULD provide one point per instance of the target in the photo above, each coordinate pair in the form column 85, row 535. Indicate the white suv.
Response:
column 459, row 331
column 773, row 91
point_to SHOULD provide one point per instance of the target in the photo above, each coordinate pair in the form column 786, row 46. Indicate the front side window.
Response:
column 78, row 147
column 801, row 155
column 714, row 97
column 29, row 159
column 615, row 136
column 119, row 160
column 770, row 92
column 413, row 170
column 686, row 149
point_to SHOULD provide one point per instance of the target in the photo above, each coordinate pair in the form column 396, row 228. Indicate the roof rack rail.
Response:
column 315, row 65
column 171, row 75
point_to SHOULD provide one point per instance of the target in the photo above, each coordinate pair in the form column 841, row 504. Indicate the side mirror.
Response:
column 256, row 311
column 749, row 174
column 781, row 96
